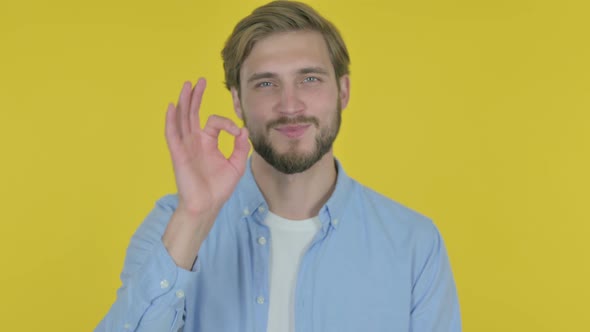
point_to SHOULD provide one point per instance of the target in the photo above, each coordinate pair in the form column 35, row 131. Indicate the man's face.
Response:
column 290, row 99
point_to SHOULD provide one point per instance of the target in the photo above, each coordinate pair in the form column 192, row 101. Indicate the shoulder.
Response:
column 156, row 221
column 405, row 229
column 382, row 204
column 392, row 215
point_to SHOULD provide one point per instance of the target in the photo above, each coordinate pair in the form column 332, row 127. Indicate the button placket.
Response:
column 262, row 253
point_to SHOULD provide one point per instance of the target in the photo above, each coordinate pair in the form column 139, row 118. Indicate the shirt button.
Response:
column 127, row 326
column 261, row 241
column 179, row 294
column 246, row 211
column 335, row 222
column 261, row 209
column 164, row 284
column 260, row 300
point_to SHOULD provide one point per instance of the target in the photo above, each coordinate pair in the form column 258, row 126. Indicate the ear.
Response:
column 237, row 104
column 344, row 96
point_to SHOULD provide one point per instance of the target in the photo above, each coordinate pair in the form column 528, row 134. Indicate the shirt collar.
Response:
column 252, row 201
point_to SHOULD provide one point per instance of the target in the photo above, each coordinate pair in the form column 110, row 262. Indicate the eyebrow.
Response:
column 313, row 70
column 302, row 71
column 257, row 76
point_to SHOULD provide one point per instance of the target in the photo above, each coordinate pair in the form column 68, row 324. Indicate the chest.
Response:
column 344, row 282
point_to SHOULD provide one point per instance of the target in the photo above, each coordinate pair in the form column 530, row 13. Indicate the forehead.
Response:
column 287, row 52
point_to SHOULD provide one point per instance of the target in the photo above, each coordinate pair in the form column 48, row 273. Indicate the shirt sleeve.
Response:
column 435, row 304
column 152, row 294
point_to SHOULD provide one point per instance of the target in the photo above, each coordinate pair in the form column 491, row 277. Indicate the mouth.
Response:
column 293, row 131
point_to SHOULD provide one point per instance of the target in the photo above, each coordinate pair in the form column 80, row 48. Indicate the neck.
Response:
column 296, row 196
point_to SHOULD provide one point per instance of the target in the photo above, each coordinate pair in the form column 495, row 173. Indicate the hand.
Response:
column 205, row 179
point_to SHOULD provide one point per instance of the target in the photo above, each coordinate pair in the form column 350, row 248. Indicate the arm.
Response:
column 158, row 271
column 435, row 305
column 152, row 295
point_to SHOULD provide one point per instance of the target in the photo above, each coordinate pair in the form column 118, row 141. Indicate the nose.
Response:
column 290, row 101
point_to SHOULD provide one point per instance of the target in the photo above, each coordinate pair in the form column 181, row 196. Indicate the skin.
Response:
column 289, row 93
column 286, row 76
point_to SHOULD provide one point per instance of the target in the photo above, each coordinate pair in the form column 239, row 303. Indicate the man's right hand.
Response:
column 205, row 179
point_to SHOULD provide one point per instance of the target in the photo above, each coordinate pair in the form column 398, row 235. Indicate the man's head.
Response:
column 287, row 70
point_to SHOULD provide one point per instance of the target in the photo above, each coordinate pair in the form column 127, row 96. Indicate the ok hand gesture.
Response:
column 204, row 177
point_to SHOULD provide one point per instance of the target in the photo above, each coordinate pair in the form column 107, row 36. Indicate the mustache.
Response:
column 301, row 119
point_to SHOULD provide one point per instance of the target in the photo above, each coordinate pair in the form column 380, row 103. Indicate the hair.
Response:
column 279, row 16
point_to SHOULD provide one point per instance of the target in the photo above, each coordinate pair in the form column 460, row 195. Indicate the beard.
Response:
column 292, row 161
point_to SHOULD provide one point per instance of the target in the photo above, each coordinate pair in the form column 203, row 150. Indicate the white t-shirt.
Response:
column 290, row 239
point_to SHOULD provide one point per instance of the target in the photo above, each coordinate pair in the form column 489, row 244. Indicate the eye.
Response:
column 311, row 79
column 263, row 84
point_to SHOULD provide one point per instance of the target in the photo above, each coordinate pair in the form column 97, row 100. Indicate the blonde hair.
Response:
column 279, row 16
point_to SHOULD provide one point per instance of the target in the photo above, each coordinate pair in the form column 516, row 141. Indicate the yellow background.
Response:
column 473, row 112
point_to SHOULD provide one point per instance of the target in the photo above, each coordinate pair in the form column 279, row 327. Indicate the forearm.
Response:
column 185, row 233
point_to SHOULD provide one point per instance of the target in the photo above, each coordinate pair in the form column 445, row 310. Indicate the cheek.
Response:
column 254, row 118
column 258, row 102
column 325, row 92
column 323, row 101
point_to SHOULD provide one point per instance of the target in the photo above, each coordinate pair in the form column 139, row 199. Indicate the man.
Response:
column 284, row 240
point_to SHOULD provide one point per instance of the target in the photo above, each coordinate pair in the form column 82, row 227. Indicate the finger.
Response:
column 239, row 156
column 182, row 109
column 215, row 124
column 195, row 106
column 172, row 136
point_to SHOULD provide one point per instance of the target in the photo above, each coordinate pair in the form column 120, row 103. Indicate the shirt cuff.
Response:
column 161, row 275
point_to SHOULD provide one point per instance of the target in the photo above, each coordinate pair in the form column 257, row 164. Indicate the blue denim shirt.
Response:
column 375, row 265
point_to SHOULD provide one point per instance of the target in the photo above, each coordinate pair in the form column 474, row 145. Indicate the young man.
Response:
column 284, row 240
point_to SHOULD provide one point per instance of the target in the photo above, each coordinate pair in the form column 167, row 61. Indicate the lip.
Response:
column 293, row 131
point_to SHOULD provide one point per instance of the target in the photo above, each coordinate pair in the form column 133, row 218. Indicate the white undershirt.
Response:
column 289, row 241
